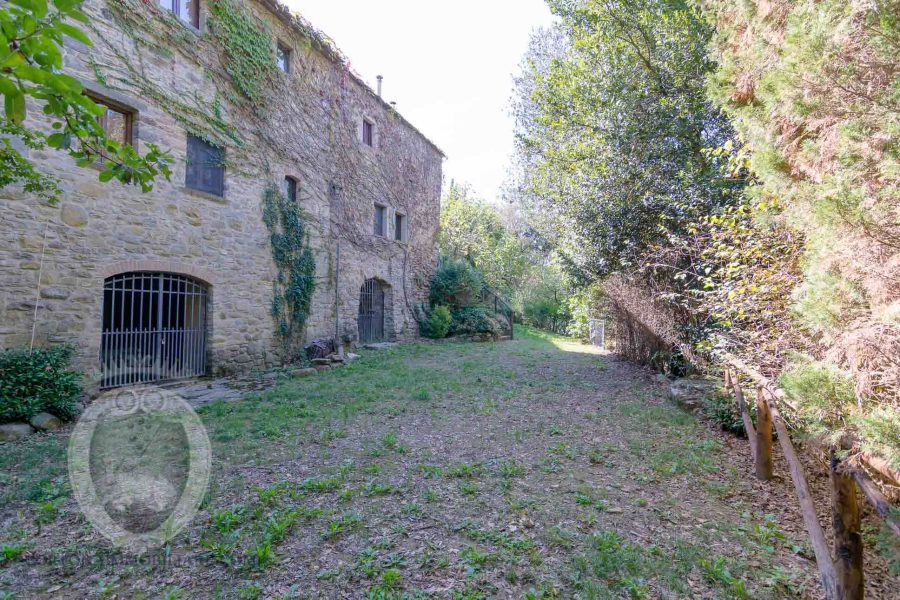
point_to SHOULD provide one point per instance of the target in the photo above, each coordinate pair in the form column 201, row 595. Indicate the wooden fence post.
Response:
column 745, row 415
column 763, row 458
column 807, row 508
column 848, row 544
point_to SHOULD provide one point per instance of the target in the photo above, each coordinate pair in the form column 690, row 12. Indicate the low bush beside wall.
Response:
column 39, row 380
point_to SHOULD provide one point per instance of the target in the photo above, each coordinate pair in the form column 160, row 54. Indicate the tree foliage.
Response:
column 613, row 120
column 31, row 75
column 474, row 230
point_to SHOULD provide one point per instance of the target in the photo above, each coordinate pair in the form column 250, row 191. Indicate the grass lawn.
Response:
column 538, row 468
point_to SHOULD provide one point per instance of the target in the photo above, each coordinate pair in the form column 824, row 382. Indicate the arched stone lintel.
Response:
column 160, row 266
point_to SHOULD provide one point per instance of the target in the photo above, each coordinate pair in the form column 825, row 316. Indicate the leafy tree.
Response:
column 475, row 231
column 31, row 39
column 613, row 120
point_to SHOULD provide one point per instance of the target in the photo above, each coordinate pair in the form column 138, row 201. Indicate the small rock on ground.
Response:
column 10, row 432
column 45, row 421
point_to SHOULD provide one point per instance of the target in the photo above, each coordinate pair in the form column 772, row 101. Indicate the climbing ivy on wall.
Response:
column 249, row 47
column 295, row 282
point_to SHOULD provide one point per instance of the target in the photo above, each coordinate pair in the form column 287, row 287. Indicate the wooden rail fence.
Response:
column 841, row 575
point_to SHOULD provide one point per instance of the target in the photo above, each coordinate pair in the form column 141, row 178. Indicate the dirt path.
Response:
column 537, row 468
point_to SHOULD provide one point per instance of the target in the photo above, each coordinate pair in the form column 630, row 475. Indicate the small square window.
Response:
column 400, row 227
column 290, row 188
column 379, row 220
column 186, row 10
column 205, row 166
column 283, row 57
column 368, row 132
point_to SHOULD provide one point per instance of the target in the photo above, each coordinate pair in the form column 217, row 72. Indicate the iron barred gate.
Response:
column 154, row 328
column 371, row 312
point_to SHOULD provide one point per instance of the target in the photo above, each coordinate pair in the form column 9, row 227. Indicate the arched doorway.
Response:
column 371, row 312
column 154, row 328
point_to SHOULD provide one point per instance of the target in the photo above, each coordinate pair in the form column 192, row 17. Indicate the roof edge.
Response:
column 326, row 46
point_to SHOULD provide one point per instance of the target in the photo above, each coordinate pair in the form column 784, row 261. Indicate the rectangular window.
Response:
column 400, row 227
column 379, row 220
column 290, row 188
column 205, row 166
column 117, row 122
column 186, row 10
column 368, row 132
column 283, row 57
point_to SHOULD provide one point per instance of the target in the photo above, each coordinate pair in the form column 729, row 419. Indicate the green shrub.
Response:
column 437, row 325
column 474, row 319
column 723, row 409
column 880, row 432
column 456, row 284
column 39, row 380
column 824, row 395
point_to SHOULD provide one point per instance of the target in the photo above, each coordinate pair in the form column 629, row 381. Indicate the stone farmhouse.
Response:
column 261, row 113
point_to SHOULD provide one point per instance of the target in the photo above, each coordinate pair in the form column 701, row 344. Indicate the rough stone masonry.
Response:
column 347, row 151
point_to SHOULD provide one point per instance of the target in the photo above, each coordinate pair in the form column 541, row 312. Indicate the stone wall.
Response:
column 174, row 79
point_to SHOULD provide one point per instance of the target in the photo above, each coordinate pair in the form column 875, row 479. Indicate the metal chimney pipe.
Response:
column 380, row 79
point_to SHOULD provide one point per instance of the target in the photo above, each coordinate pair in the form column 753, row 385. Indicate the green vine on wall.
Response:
column 248, row 44
column 293, row 287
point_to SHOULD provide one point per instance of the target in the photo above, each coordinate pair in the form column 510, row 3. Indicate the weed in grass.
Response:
column 10, row 552
column 421, row 394
column 430, row 471
column 174, row 593
column 464, row 470
column 431, row 561
column 347, row 522
column 319, row 486
column 263, row 555
column 251, row 591
column 385, row 543
column 389, row 441
column 716, row 571
column 372, row 469
column 468, row 488
column 510, row 469
column 475, row 560
column 373, row 488
column 227, row 519
column 412, row 510
column 488, row 407
column 430, row 495
column 559, row 537
column 328, row 435
column 583, row 498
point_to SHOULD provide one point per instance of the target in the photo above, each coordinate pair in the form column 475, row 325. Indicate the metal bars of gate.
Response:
column 371, row 312
column 154, row 328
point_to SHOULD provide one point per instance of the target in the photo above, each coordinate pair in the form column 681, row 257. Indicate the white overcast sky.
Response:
column 448, row 65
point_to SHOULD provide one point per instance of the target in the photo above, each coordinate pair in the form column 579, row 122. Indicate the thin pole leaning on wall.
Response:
column 37, row 293
column 337, row 295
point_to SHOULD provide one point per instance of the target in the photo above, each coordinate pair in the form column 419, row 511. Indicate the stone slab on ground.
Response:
column 691, row 393
column 380, row 345
column 228, row 389
column 10, row 432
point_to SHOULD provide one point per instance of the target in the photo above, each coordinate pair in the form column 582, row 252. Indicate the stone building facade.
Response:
column 173, row 76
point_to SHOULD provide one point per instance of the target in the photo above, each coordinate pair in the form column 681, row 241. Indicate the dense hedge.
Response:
column 39, row 380
column 456, row 289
